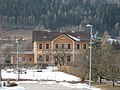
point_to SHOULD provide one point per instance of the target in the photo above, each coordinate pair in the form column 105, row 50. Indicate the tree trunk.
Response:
column 83, row 79
column 100, row 79
column 113, row 83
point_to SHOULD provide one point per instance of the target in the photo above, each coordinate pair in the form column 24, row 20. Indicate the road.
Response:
column 37, row 86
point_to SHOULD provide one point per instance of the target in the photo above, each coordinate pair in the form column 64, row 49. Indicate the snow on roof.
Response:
column 74, row 38
column 111, row 40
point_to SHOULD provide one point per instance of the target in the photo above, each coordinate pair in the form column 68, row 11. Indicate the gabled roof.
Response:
column 49, row 36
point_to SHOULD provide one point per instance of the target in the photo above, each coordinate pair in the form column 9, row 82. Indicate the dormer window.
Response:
column 78, row 37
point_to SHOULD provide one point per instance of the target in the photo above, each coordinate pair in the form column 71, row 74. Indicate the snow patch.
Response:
column 12, row 88
column 74, row 38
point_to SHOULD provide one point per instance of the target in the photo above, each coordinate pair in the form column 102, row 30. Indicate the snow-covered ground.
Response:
column 12, row 88
column 48, row 76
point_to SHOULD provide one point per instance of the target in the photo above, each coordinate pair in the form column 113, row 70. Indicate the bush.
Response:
column 44, row 66
column 13, row 84
column 68, row 69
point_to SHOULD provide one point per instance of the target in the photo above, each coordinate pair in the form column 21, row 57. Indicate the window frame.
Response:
column 40, row 45
column 56, row 47
column 68, row 46
column 77, row 46
column 47, row 58
column 84, row 46
column 30, row 59
column 62, row 46
column 68, row 58
column 47, row 47
column 39, row 60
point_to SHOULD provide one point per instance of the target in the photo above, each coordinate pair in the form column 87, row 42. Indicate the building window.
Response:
column 47, row 58
column 78, row 46
column 68, row 58
column 69, row 46
column 20, row 58
column 56, row 46
column 40, row 46
column 15, row 58
column 23, row 59
column 63, row 39
column 84, row 46
column 30, row 59
column 47, row 46
column 63, row 46
column 39, row 58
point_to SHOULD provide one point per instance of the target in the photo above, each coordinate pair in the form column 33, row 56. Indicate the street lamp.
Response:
column 88, row 25
column 17, row 70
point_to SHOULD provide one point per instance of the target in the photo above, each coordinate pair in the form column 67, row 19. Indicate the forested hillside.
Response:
column 53, row 14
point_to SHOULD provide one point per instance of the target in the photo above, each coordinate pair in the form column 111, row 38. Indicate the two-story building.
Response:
column 50, row 46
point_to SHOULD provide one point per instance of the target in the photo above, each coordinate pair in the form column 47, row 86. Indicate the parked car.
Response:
column 9, row 70
column 21, row 71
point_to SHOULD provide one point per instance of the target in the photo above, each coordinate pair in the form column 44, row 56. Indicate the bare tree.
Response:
column 58, row 55
column 96, row 60
column 39, row 27
column 113, row 67
column 72, row 28
column 2, row 30
column 4, row 53
column 110, row 64
column 117, row 29
column 82, row 64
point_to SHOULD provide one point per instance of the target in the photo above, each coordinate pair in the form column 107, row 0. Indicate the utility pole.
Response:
column 88, row 25
column 17, row 69
column 0, row 76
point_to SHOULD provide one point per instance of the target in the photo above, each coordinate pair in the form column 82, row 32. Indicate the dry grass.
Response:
column 102, row 86
column 107, row 86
